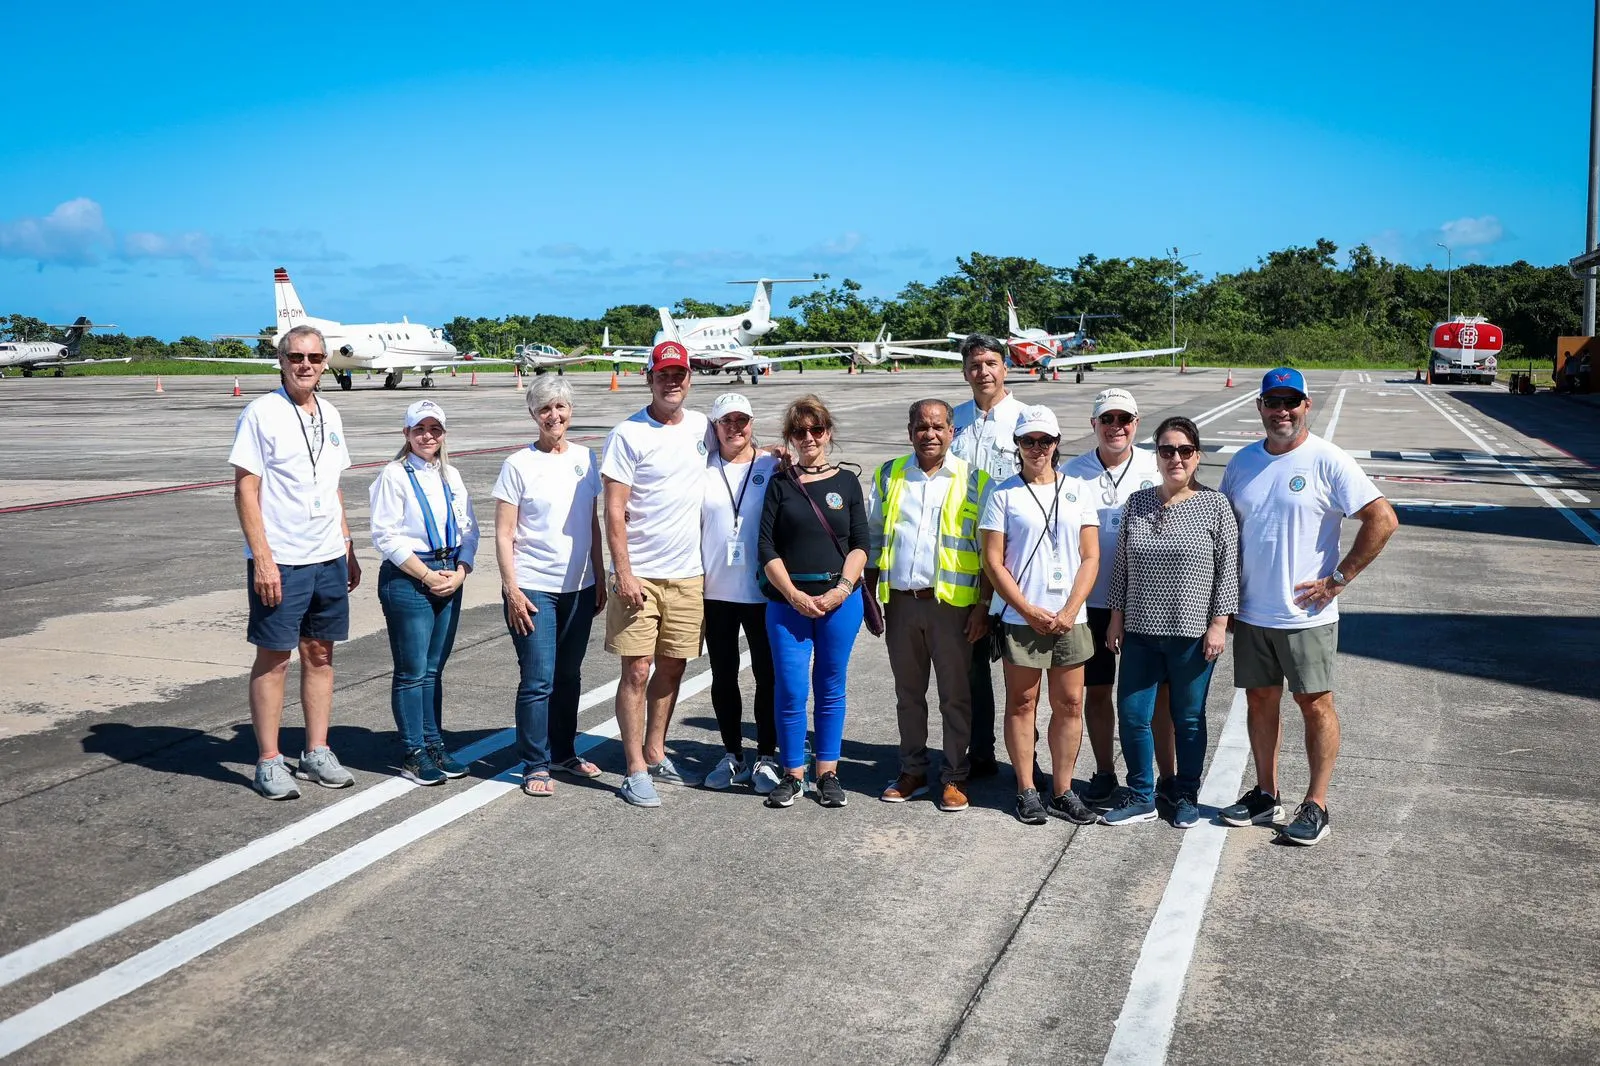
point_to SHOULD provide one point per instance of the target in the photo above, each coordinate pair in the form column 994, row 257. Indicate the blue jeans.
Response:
column 422, row 630
column 551, row 659
column 1147, row 662
column 811, row 653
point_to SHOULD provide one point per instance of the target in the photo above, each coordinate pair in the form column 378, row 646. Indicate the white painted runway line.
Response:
column 1575, row 496
column 1150, row 1011
column 1333, row 420
column 1543, row 493
column 70, row 1004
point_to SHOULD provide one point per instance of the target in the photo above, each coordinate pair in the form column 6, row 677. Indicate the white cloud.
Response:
column 74, row 234
column 1472, row 233
column 194, row 246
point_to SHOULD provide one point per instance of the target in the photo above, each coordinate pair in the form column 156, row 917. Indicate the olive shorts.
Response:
column 1262, row 657
column 1024, row 647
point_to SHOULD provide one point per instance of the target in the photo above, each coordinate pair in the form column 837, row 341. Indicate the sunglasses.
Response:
column 425, row 430
column 1181, row 451
column 1282, row 403
column 734, row 421
column 1035, row 444
column 301, row 357
column 801, row 432
column 1117, row 418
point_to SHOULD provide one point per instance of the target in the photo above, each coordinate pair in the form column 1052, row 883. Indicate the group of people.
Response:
column 1115, row 569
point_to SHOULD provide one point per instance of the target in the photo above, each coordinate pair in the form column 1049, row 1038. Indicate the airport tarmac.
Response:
column 152, row 906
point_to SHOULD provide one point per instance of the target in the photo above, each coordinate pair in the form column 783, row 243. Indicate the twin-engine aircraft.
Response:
column 1030, row 348
column 28, row 356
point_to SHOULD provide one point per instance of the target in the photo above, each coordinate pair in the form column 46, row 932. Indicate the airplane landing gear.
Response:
column 391, row 380
column 61, row 371
column 1079, row 378
column 427, row 380
column 346, row 380
column 27, row 371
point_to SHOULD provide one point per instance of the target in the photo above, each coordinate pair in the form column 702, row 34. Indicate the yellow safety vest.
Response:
column 956, row 560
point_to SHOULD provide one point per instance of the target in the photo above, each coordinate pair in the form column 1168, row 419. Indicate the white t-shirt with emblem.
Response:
column 299, row 458
column 727, row 485
column 555, row 494
column 1138, row 471
column 1019, row 510
column 665, row 466
column 1289, row 508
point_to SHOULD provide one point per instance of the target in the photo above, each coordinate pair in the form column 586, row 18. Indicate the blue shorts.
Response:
column 315, row 605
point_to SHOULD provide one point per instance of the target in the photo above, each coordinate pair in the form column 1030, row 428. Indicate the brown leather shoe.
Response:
column 905, row 787
column 954, row 798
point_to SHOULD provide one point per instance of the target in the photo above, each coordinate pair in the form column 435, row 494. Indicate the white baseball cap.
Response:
column 1038, row 419
column 424, row 409
column 730, row 403
column 1115, row 400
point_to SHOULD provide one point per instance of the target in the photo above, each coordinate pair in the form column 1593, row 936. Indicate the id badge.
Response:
column 736, row 553
column 319, row 504
column 459, row 506
column 1055, row 574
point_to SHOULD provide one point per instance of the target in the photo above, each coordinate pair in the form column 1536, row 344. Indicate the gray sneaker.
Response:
column 729, row 770
column 664, row 773
column 274, row 781
column 766, row 776
column 637, row 790
column 322, row 766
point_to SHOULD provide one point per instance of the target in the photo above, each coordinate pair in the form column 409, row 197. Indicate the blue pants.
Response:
column 551, row 659
column 1146, row 663
column 422, row 630
column 811, row 653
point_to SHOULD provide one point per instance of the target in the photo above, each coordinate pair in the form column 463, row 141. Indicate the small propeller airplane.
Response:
column 538, row 358
column 29, row 356
column 1034, row 347
column 885, row 349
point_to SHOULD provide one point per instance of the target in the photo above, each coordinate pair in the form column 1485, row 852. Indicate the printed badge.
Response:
column 1147, row 484
column 1297, row 483
column 834, row 500
column 701, row 445
column 334, row 437
column 759, row 478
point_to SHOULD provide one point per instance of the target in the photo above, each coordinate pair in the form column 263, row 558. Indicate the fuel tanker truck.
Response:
column 1465, row 349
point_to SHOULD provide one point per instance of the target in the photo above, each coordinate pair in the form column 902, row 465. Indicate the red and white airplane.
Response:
column 1040, row 348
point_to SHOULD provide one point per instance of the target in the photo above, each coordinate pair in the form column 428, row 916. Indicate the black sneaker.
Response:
column 982, row 766
column 1100, row 789
column 1167, row 792
column 787, row 791
column 1069, row 806
column 447, row 765
column 418, row 766
column 1030, row 808
column 830, row 793
column 1309, row 826
column 1254, row 808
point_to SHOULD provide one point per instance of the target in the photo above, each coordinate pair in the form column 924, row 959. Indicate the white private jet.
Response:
column 1030, row 348
column 28, row 356
column 391, row 348
column 725, row 342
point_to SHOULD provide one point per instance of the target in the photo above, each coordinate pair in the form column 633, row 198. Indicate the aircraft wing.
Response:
column 238, row 359
column 790, row 346
column 1058, row 362
column 84, row 362
column 763, row 359
column 919, row 353
column 443, row 364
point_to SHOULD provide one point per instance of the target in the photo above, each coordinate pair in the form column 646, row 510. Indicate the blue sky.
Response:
column 404, row 159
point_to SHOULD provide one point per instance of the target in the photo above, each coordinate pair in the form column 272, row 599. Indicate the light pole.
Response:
column 1177, row 269
column 1449, row 277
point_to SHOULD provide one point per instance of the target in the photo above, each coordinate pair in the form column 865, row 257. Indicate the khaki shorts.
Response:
column 1024, row 647
column 1262, row 658
column 670, row 623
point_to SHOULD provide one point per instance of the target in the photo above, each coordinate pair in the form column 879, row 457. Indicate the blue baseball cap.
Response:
column 1284, row 377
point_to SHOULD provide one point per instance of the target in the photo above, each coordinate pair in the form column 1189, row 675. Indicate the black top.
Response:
column 790, row 530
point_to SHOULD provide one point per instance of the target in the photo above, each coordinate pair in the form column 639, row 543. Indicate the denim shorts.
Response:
column 315, row 605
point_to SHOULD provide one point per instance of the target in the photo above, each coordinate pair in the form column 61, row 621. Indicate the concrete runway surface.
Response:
column 152, row 906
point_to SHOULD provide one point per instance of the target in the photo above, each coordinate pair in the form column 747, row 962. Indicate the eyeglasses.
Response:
column 733, row 421
column 314, row 358
column 1117, row 418
column 1035, row 444
column 1282, row 403
column 1182, row 451
column 425, row 430
column 801, row 432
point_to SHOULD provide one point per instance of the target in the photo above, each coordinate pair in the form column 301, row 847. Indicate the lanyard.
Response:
column 452, row 536
column 1052, row 516
column 738, row 504
column 321, row 427
column 1113, row 483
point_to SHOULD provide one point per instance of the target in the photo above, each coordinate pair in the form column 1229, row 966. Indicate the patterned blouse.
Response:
column 1177, row 567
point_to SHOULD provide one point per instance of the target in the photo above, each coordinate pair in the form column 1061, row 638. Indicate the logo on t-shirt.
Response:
column 702, row 446
column 334, row 437
column 577, row 468
column 1297, row 483
column 759, row 478
column 1072, row 497
column 1147, row 484
column 834, row 500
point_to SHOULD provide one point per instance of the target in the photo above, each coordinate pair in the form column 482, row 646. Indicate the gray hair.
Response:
column 981, row 342
column 546, row 390
column 916, row 409
column 301, row 330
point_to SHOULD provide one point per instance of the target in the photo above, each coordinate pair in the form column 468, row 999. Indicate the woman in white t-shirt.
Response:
column 1041, row 550
column 424, row 527
column 547, row 542
column 730, row 519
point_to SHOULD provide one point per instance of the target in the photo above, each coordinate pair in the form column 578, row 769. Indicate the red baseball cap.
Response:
column 668, row 354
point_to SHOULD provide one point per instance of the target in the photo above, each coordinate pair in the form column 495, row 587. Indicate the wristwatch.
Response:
column 1338, row 578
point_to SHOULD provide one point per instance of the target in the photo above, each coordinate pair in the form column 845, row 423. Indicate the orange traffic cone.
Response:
column 614, row 386
column 519, row 378
column 1183, row 366
column 159, row 389
column 236, row 391
column 1229, row 383
column 1055, row 374
column 474, row 377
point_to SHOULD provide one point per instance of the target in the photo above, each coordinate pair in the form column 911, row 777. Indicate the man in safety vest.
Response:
column 925, row 569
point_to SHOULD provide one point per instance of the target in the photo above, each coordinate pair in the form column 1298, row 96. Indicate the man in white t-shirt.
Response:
column 1115, row 470
column 288, row 452
column 1290, row 492
column 983, row 438
column 653, row 468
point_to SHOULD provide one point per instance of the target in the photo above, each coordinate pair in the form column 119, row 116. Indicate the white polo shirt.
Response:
column 916, row 530
column 988, row 440
column 665, row 467
column 298, row 458
column 1138, row 471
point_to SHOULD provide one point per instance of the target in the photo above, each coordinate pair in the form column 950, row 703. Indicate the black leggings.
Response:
column 723, row 622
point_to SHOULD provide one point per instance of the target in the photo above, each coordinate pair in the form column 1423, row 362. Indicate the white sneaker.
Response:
column 766, row 775
column 727, row 772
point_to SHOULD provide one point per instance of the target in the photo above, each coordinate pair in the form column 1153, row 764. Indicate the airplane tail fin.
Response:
column 291, row 312
column 669, row 328
column 75, row 334
column 605, row 339
column 1011, row 312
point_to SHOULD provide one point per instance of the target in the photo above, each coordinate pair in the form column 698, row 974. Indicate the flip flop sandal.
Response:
column 578, row 766
column 531, row 781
